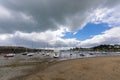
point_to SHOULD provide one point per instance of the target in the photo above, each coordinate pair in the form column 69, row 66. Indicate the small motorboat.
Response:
column 48, row 54
column 25, row 53
column 70, row 54
column 82, row 55
column 91, row 53
column 30, row 54
column 9, row 55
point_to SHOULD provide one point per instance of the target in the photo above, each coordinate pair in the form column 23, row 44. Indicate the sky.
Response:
column 59, row 23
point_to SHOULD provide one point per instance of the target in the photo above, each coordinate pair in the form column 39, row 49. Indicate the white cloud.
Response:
column 47, row 35
column 48, row 38
column 110, row 16
column 111, row 36
column 75, row 33
column 5, row 36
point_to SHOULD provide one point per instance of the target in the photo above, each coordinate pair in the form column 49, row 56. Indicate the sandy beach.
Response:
column 99, row 68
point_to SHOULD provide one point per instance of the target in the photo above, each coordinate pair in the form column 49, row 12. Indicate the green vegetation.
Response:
column 106, row 48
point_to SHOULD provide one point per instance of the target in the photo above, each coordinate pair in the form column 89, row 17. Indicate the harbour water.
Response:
column 62, row 56
column 8, row 65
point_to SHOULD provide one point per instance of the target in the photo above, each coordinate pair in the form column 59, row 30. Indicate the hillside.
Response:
column 18, row 49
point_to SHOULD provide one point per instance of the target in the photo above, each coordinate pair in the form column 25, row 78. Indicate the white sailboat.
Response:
column 31, row 53
column 56, row 53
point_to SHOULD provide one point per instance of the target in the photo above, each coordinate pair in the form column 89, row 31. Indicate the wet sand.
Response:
column 99, row 68
column 19, row 69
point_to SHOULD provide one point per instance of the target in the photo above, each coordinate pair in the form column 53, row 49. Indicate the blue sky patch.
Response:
column 89, row 30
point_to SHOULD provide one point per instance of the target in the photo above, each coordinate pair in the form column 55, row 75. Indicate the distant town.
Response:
column 106, row 48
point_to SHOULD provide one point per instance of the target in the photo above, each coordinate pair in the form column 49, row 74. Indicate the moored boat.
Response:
column 9, row 55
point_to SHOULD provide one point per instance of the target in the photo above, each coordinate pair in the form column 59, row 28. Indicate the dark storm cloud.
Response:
column 46, row 14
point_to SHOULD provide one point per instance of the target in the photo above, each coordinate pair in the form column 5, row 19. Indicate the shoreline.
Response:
column 47, row 67
column 35, row 69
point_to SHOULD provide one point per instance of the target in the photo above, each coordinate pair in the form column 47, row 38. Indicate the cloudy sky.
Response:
column 59, row 23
